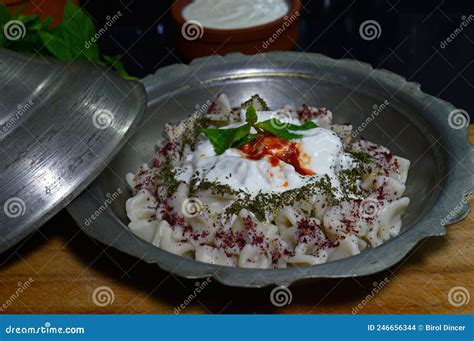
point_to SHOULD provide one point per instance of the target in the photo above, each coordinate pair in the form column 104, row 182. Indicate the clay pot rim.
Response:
column 255, row 32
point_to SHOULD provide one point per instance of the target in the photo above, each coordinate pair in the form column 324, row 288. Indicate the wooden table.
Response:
column 59, row 267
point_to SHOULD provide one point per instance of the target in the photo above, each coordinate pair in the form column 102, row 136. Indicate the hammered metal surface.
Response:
column 414, row 125
column 60, row 124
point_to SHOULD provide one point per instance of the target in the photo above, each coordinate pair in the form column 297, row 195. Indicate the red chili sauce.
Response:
column 278, row 149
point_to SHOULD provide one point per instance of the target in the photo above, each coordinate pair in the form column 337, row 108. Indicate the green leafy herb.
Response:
column 247, row 139
column 305, row 126
column 22, row 39
column 277, row 128
column 223, row 139
column 73, row 39
column 251, row 115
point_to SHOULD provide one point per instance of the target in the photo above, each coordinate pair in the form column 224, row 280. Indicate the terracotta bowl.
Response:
column 41, row 8
column 193, row 40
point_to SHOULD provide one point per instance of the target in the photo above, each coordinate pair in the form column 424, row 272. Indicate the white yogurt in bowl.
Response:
column 235, row 14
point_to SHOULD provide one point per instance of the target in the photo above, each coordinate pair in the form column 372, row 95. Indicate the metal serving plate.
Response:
column 414, row 125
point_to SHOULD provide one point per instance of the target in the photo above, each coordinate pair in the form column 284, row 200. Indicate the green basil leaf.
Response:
column 223, row 139
column 54, row 41
column 31, row 41
column 305, row 126
column 251, row 115
column 245, row 140
column 72, row 39
column 277, row 128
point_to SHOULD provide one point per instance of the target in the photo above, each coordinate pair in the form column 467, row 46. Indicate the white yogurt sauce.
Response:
column 235, row 14
column 321, row 151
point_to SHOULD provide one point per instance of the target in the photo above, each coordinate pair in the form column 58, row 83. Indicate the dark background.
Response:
column 409, row 45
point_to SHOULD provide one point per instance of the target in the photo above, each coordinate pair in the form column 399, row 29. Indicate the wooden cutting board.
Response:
column 61, row 270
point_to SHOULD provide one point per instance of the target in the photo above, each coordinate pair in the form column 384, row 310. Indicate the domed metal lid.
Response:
column 60, row 124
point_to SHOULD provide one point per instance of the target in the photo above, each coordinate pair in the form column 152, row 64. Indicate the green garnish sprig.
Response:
column 74, row 39
column 223, row 139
